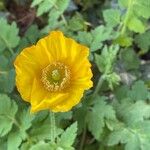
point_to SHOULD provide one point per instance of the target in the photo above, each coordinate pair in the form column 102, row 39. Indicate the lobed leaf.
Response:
column 9, row 35
column 8, row 110
column 134, row 137
column 68, row 136
column 112, row 17
column 98, row 115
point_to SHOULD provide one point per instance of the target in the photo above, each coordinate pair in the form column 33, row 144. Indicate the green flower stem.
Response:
column 127, row 17
column 98, row 86
column 53, row 127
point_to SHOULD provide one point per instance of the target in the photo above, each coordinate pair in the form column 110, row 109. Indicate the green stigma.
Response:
column 56, row 75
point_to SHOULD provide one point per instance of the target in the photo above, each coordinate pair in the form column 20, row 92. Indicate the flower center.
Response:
column 55, row 77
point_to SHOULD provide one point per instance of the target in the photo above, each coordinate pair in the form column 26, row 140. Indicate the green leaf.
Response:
column 99, row 114
column 30, row 34
column 118, row 136
column 55, row 8
column 123, row 3
column 14, row 140
column 139, row 91
column 80, row 116
column 134, row 137
column 24, row 119
column 130, row 59
column 136, row 25
column 121, row 92
column 26, row 145
column 60, row 7
column 61, row 118
column 29, row 38
column 3, row 144
column 112, row 79
column 40, row 117
column 95, row 38
column 99, row 35
column 41, row 145
column 8, row 109
column 36, row 133
column 105, row 63
column 123, row 41
column 7, row 81
column 45, row 6
column 133, row 112
column 100, row 62
column 3, row 64
column 64, row 116
column 36, row 2
column 106, row 60
column 112, row 17
column 77, row 22
column 142, row 40
column 68, row 136
column 85, row 38
column 141, row 8
column 9, row 35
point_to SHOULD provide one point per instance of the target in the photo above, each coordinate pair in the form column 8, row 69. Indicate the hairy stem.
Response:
column 53, row 127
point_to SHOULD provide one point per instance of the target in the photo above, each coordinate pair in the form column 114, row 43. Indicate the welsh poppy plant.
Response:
column 54, row 73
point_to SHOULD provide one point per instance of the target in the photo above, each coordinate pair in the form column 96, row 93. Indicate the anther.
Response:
column 56, row 77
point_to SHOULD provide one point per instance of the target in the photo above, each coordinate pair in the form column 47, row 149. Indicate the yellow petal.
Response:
column 73, row 99
column 55, row 43
column 49, row 101
column 28, row 65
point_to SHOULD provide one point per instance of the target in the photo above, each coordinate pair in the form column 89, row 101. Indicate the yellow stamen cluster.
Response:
column 55, row 77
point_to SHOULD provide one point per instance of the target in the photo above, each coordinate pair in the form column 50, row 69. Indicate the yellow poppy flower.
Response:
column 54, row 73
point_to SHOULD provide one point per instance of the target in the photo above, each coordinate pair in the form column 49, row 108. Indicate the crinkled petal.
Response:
column 73, row 99
column 28, row 65
column 50, row 101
